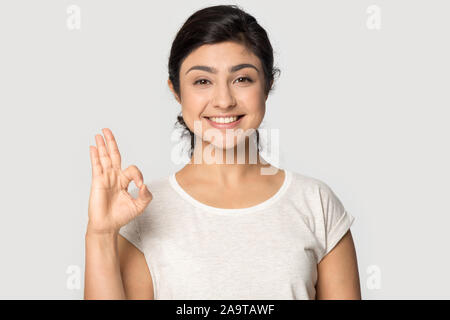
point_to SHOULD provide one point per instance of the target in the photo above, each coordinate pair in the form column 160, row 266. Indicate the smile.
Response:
column 224, row 122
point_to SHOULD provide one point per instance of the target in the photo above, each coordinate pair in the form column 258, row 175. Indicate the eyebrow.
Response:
column 232, row 69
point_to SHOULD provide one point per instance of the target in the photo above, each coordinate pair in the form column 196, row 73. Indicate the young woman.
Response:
column 217, row 229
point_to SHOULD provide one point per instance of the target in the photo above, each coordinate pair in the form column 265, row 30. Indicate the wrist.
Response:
column 104, row 245
column 101, row 240
column 94, row 231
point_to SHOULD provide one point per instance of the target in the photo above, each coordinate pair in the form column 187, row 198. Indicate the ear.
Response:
column 169, row 83
column 271, row 83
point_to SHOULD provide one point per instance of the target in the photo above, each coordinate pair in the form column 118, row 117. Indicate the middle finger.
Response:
column 113, row 150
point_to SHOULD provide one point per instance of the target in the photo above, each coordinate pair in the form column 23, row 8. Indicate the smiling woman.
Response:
column 227, row 92
column 217, row 229
column 231, row 29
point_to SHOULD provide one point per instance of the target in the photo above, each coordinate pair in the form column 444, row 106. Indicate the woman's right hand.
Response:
column 110, row 204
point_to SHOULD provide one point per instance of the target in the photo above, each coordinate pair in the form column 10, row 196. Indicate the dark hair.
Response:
column 216, row 24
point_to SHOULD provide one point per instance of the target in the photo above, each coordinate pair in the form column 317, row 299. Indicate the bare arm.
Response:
column 102, row 273
column 136, row 277
column 115, row 269
column 338, row 276
column 108, row 260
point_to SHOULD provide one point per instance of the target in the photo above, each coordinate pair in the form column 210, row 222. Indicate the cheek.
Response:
column 253, row 96
column 192, row 109
column 255, row 104
column 192, row 106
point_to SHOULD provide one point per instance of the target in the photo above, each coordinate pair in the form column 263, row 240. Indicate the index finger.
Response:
column 113, row 149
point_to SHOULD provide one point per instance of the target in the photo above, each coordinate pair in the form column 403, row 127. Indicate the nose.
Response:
column 223, row 97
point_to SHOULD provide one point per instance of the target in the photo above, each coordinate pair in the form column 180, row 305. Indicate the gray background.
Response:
column 365, row 110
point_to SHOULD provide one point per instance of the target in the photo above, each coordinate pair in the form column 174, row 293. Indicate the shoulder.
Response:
column 314, row 196
column 324, row 212
column 308, row 185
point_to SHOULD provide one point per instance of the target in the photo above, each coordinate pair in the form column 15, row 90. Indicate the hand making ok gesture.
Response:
column 110, row 204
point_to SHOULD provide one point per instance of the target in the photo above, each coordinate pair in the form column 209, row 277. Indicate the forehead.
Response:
column 220, row 56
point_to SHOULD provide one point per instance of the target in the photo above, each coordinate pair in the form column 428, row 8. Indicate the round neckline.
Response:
column 262, row 205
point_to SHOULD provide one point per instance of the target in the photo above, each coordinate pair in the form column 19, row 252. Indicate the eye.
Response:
column 245, row 78
column 199, row 81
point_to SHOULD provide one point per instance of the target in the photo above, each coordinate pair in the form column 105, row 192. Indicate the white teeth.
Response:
column 223, row 120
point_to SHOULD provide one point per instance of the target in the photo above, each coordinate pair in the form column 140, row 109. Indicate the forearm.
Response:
column 102, row 273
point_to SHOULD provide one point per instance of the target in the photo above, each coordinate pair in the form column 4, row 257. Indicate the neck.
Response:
column 226, row 165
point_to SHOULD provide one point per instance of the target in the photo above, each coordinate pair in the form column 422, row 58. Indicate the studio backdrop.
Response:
column 362, row 103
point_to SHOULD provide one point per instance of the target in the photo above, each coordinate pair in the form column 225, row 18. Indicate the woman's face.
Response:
column 218, row 80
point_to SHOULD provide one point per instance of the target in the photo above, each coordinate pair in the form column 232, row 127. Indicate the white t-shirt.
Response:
column 267, row 251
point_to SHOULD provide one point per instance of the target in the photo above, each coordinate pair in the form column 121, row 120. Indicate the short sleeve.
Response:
column 130, row 231
column 336, row 220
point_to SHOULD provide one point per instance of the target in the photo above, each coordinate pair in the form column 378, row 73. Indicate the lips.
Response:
column 225, row 125
column 226, row 116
